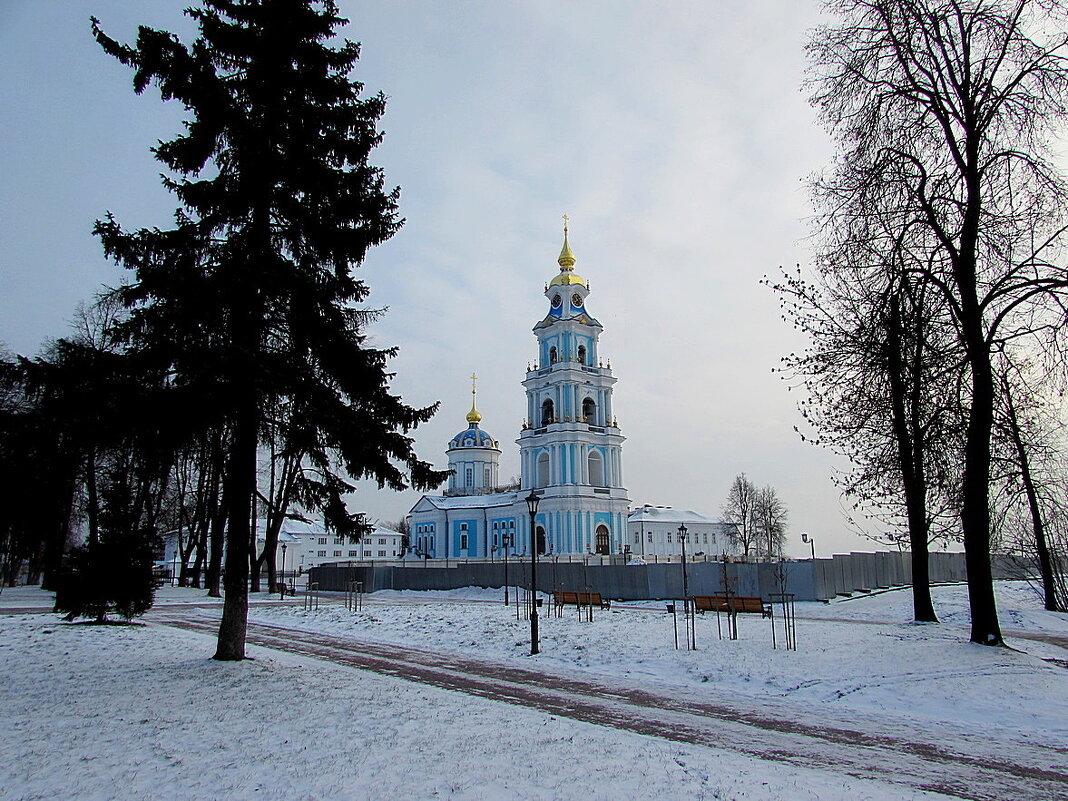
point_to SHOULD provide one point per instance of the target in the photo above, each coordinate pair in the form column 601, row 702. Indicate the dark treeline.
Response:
column 229, row 378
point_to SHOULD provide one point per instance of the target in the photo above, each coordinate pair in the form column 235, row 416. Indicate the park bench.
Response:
column 733, row 605
column 579, row 599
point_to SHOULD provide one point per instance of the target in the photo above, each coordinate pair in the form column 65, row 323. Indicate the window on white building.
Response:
column 322, row 541
column 463, row 542
column 637, row 537
column 381, row 553
column 339, row 540
column 354, row 553
column 322, row 553
column 337, row 553
column 649, row 536
column 381, row 540
column 669, row 536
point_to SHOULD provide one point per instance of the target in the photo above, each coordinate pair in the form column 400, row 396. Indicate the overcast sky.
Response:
column 676, row 136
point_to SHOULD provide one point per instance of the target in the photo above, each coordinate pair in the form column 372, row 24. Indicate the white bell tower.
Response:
column 570, row 446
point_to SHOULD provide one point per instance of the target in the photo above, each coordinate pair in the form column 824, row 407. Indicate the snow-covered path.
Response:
column 862, row 746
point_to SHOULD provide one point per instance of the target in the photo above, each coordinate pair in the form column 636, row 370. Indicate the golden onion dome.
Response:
column 566, row 278
column 566, row 261
column 567, row 258
column 474, row 416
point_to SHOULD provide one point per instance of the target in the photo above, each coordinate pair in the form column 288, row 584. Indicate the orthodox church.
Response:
column 570, row 451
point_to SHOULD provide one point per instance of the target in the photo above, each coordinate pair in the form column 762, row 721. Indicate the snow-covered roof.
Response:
column 668, row 514
column 293, row 530
column 495, row 499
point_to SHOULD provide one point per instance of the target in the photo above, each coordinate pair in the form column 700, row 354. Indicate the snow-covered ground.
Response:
column 142, row 712
column 924, row 672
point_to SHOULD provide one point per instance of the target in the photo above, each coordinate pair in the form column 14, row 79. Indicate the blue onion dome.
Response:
column 472, row 437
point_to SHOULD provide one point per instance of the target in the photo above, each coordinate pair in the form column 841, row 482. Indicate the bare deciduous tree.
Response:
column 769, row 521
column 739, row 508
column 943, row 110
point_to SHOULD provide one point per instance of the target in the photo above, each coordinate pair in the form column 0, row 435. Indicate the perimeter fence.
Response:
column 807, row 579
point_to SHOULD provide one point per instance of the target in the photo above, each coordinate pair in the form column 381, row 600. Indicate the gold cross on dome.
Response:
column 474, row 378
column 566, row 219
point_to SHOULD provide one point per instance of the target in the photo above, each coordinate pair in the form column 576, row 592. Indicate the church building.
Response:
column 570, row 450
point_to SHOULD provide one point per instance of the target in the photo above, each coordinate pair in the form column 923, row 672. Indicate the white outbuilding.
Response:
column 654, row 531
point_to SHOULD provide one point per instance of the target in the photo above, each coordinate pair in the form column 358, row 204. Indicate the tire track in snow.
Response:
column 973, row 769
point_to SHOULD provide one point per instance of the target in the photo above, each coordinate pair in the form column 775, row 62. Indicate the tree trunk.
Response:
column 254, row 561
column 47, row 566
column 92, row 505
column 216, row 514
column 911, row 461
column 239, row 487
column 1045, row 563
column 975, row 505
column 213, row 575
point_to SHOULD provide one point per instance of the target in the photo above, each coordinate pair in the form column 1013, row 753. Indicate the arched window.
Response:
column 582, row 354
column 596, row 465
column 589, row 410
column 552, row 355
column 604, row 545
column 543, row 469
column 547, row 413
column 540, row 535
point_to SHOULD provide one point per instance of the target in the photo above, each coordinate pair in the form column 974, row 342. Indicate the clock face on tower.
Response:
column 576, row 300
column 556, row 301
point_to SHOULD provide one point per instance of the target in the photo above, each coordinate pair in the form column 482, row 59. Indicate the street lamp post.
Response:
column 532, row 507
column 811, row 542
column 282, row 583
column 505, row 543
column 685, row 588
column 685, row 583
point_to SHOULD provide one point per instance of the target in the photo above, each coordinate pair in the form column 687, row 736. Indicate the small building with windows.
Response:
column 309, row 544
column 654, row 531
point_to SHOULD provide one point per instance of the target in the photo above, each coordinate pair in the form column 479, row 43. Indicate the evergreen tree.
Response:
column 250, row 297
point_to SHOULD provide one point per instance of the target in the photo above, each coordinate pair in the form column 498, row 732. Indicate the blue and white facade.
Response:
column 570, row 452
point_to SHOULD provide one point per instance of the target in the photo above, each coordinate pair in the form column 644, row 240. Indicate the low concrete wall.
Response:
column 809, row 579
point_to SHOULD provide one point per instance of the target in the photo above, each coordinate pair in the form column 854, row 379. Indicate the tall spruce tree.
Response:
column 250, row 297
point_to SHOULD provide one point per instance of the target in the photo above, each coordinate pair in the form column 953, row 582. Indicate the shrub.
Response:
column 106, row 577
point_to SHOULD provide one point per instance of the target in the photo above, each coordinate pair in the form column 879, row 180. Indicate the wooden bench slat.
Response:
column 567, row 597
column 732, row 604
